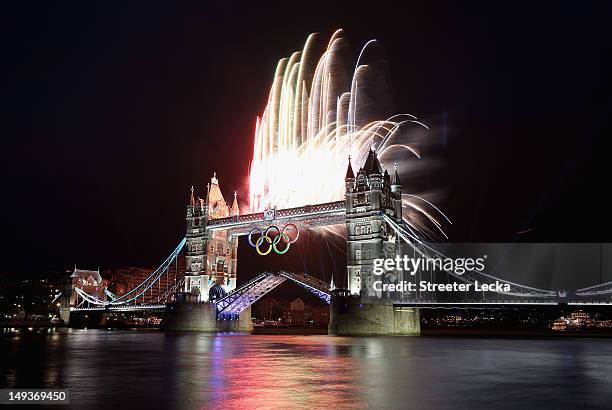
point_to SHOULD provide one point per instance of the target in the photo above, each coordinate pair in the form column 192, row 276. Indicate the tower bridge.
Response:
column 206, row 297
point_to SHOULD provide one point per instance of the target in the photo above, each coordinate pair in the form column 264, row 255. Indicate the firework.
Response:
column 320, row 110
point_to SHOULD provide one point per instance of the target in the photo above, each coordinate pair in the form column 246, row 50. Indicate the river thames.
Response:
column 152, row 369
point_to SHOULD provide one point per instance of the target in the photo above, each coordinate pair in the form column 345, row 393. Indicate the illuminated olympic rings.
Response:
column 273, row 241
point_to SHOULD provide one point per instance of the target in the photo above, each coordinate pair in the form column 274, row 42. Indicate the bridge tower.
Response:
column 211, row 258
column 211, row 266
column 368, row 194
column 196, row 279
column 360, row 309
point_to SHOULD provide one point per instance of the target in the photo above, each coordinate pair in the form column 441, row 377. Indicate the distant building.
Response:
column 122, row 280
column 90, row 281
column 272, row 309
column 317, row 315
column 297, row 304
column 294, row 313
column 297, row 317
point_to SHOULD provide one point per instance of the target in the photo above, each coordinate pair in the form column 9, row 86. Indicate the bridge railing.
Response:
column 318, row 209
column 239, row 299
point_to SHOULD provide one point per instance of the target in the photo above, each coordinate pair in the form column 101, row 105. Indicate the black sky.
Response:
column 113, row 111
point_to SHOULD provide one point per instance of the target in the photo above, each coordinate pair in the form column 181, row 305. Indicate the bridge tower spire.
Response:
column 235, row 209
column 396, row 194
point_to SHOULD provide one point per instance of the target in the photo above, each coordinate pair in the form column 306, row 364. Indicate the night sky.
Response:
column 113, row 112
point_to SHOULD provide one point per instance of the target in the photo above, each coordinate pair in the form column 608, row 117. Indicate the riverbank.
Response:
column 514, row 333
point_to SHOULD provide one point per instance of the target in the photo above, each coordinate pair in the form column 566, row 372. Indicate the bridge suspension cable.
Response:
column 139, row 290
column 411, row 238
column 595, row 290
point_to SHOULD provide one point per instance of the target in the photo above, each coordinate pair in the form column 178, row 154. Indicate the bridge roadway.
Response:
column 238, row 300
column 127, row 308
column 329, row 213
column 412, row 304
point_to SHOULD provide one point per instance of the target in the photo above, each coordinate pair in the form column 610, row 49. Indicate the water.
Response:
column 151, row 369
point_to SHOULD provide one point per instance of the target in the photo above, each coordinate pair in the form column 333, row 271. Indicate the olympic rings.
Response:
column 273, row 241
column 260, row 241
column 251, row 234
column 277, row 240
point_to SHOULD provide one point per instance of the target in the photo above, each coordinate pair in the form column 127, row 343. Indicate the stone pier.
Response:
column 202, row 317
column 352, row 315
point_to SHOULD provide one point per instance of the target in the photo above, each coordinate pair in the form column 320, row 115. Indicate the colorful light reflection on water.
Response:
column 149, row 369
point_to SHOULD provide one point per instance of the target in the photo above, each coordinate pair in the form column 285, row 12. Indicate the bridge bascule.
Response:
column 375, row 228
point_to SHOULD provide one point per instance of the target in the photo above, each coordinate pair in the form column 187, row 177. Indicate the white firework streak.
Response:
column 311, row 125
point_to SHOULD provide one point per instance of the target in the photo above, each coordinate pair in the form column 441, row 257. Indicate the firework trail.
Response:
column 320, row 110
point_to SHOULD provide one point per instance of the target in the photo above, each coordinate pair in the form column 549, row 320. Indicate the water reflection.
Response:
column 285, row 372
column 183, row 371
